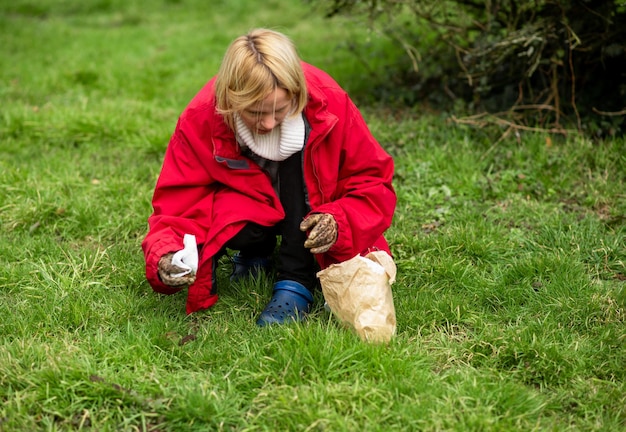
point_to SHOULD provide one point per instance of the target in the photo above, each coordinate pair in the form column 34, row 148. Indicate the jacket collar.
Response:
column 316, row 111
column 320, row 122
column 224, row 141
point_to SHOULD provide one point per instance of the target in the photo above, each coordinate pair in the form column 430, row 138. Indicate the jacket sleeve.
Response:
column 181, row 205
column 364, row 200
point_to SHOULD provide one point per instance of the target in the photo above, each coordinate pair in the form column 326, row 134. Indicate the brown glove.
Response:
column 323, row 234
column 166, row 269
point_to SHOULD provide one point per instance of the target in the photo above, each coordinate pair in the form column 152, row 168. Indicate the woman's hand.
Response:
column 167, row 270
column 323, row 234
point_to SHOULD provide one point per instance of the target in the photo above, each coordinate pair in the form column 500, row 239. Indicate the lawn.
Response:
column 511, row 254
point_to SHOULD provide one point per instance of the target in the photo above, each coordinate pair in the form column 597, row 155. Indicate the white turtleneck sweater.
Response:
column 283, row 141
column 270, row 149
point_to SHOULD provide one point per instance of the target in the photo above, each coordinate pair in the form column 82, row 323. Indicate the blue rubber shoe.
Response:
column 290, row 302
column 248, row 267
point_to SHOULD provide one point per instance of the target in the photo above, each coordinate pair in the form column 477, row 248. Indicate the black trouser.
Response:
column 295, row 262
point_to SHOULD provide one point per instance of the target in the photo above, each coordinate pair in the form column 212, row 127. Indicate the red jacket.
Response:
column 209, row 189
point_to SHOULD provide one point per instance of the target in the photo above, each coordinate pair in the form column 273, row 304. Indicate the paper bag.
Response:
column 358, row 292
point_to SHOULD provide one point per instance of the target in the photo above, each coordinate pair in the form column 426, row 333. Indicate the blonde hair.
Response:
column 255, row 65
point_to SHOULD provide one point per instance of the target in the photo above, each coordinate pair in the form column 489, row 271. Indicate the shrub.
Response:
column 555, row 64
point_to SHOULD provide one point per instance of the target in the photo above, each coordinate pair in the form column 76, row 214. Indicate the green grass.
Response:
column 510, row 295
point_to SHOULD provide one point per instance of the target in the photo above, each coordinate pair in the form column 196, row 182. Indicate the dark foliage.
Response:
column 554, row 64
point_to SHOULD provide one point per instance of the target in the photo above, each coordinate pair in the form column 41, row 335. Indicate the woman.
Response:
column 269, row 147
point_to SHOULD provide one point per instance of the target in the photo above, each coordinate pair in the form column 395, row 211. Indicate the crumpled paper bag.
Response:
column 358, row 292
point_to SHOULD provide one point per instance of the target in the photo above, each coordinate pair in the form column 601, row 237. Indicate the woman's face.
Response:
column 264, row 116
